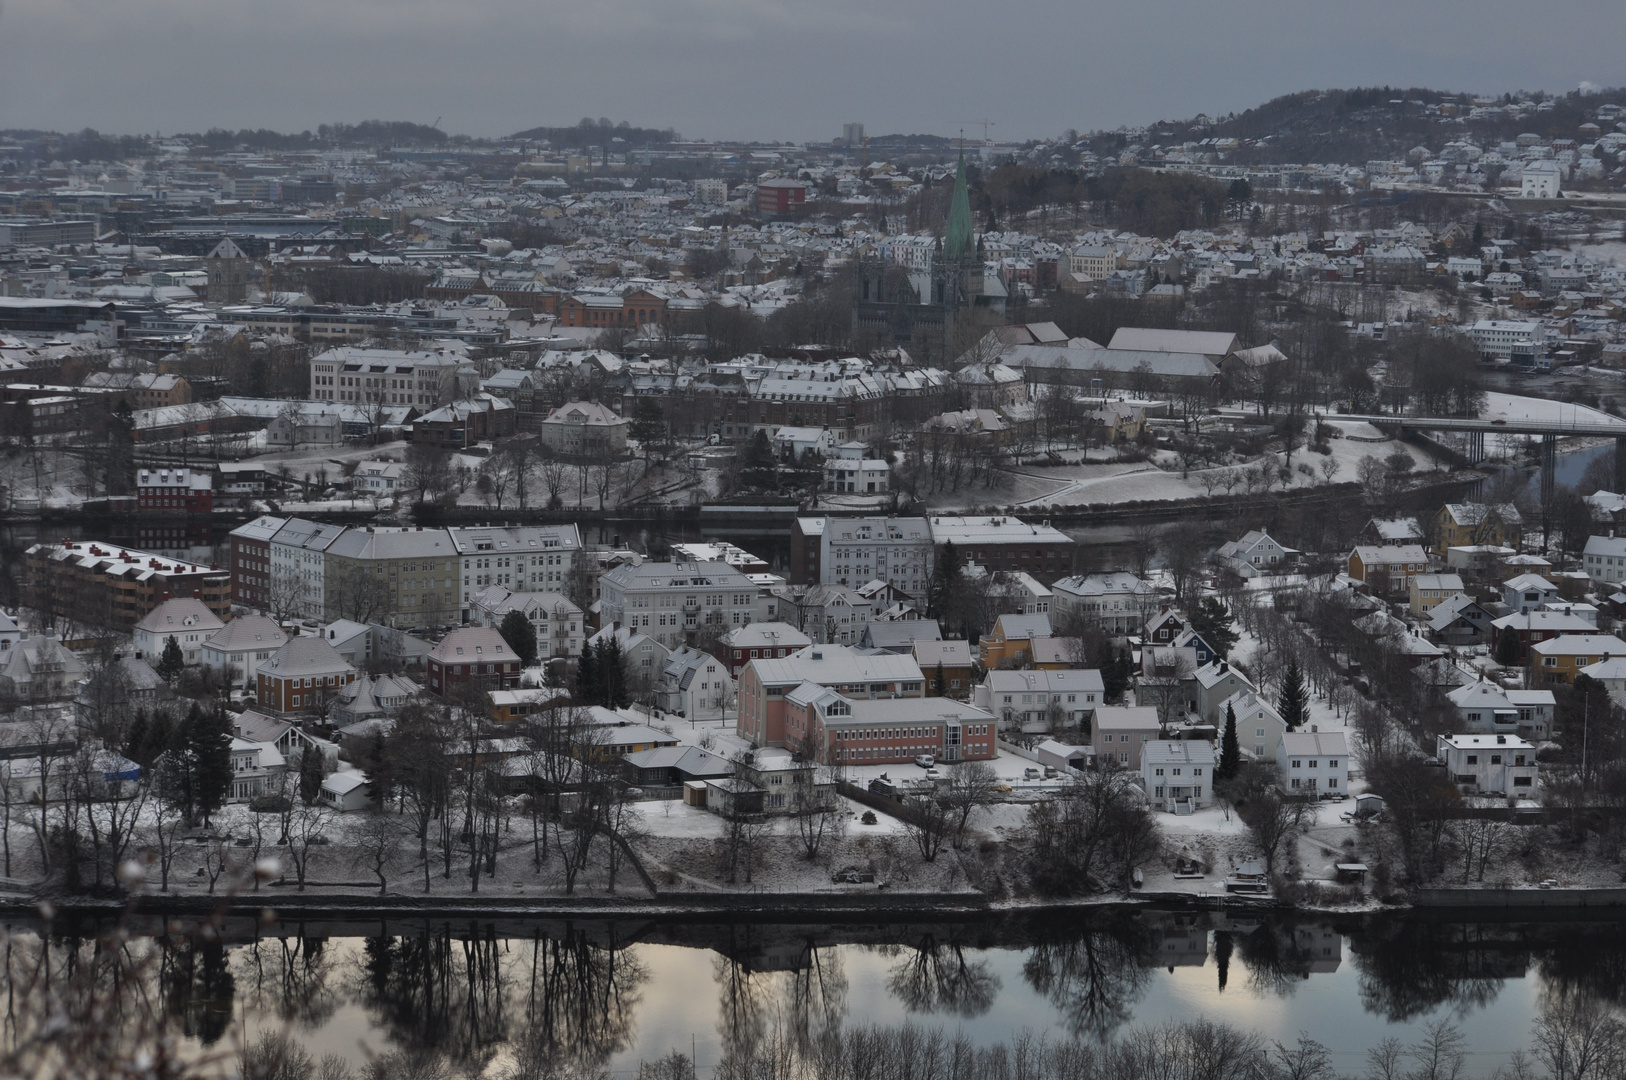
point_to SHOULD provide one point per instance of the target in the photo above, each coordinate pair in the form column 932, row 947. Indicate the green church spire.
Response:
column 957, row 238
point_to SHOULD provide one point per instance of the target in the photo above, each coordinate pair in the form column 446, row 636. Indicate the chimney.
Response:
column 196, row 595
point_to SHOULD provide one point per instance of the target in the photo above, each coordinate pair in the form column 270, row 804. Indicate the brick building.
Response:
column 93, row 583
column 472, row 656
column 186, row 490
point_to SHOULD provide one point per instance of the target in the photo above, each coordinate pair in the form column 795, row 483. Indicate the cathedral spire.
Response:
column 957, row 237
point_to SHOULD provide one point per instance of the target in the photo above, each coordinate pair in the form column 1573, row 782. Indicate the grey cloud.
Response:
column 758, row 68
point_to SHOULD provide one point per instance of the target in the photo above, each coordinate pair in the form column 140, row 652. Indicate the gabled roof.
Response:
column 1320, row 743
column 1147, row 339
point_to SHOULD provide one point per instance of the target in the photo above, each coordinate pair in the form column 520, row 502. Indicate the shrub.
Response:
column 869, row 818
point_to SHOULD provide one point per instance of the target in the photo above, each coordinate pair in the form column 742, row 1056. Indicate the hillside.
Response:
column 1359, row 125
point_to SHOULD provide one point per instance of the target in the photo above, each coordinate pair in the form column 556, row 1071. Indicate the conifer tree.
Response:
column 939, row 682
column 1214, row 623
column 310, row 775
column 517, row 630
column 587, row 688
column 1230, row 752
column 1294, row 703
column 945, row 577
column 1507, row 648
column 172, row 662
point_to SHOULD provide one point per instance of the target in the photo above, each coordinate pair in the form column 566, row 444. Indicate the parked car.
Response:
column 925, row 761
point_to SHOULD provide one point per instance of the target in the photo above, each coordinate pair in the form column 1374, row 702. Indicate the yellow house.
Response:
column 1467, row 524
column 1429, row 590
column 1010, row 642
column 1558, row 659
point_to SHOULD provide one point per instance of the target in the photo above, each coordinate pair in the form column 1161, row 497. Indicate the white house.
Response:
column 561, row 626
column 1259, row 727
column 346, row 792
column 1539, row 180
column 1314, row 762
column 254, row 768
column 381, row 478
column 1604, row 558
column 1488, row 709
column 1178, row 774
column 187, row 620
column 1612, row 673
column 1489, row 764
column 1256, row 553
column 865, row 476
column 1116, row 602
column 696, row 685
column 1528, row 592
column 237, row 649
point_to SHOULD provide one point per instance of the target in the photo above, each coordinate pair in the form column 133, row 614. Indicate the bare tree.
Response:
column 926, row 821
column 307, row 830
column 972, row 786
column 818, row 817
column 378, row 843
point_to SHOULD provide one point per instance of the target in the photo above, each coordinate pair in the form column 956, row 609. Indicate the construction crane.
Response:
column 986, row 124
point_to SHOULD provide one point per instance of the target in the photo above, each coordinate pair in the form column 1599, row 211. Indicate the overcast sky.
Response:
column 766, row 69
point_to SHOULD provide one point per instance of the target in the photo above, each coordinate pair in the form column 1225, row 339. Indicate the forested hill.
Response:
column 1355, row 126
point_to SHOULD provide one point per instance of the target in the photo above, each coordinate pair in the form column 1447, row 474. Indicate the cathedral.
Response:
column 919, row 309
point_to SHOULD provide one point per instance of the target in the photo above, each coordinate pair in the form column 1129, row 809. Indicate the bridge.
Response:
column 1550, row 432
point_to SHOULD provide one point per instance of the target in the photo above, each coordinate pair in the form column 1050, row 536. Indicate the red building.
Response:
column 781, row 196
column 476, row 655
column 186, row 490
column 250, row 561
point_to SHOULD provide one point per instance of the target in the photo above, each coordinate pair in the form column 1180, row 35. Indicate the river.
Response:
column 617, row 992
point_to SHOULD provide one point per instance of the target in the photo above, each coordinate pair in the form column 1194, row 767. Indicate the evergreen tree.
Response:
column 196, row 773
column 1479, row 236
column 1230, row 752
column 757, row 466
column 1507, row 648
column 1215, row 624
column 172, row 662
column 1114, row 680
column 517, row 630
column 612, row 674
column 939, row 681
column 648, row 424
column 1294, row 703
column 945, row 578
column 214, row 761
column 310, row 775
column 587, row 687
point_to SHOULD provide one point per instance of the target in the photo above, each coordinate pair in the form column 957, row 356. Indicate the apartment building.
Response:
column 561, row 626
column 1007, row 544
column 96, row 584
column 405, row 576
column 856, row 551
column 297, row 586
column 668, row 600
column 520, row 558
column 1119, row 603
column 423, row 379
column 189, row 491
column 249, row 559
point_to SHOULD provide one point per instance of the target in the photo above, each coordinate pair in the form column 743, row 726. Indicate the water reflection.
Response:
column 1093, row 976
column 534, row 995
column 937, row 974
column 1410, row 968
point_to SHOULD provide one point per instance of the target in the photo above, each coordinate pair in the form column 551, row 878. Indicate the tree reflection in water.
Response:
column 1592, row 964
column 197, row 986
column 936, row 976
column 289, row 977
column 434, row 990
column 1275, row 961
column 796, row 984
column 1408, row 968
column 581, row 1003
column 1093, row 976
